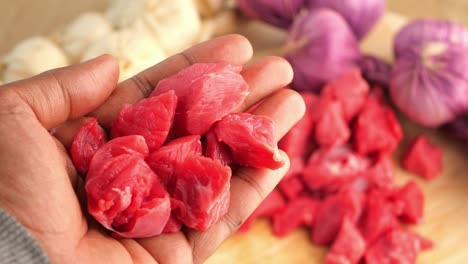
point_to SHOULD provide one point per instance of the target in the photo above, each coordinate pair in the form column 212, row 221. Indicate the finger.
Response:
column 234, row 49
column 249, row 186
column 168, row 248
column 264, row 78
column 67, row 93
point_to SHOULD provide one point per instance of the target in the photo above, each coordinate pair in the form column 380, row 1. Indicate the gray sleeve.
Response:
column 16, row 244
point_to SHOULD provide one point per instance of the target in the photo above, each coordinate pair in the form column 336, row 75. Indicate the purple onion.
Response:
column 458, row 128
column 360, row 14
column 320, row 47
column 429, row 80
column 280, row 13
column 420, row 32
column 375, row 70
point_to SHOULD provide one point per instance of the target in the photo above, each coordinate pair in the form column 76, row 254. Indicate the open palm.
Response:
column 39, row 186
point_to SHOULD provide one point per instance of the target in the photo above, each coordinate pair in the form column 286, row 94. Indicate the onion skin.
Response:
column 419, row 32
column 375, row 70
column 429, row 82
column 361, row 15
column 280, row 13
column 320, row 47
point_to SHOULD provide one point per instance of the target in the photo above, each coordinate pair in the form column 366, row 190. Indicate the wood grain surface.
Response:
column 446, row 210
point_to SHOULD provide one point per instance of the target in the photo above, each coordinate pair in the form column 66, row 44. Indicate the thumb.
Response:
column 59, row 95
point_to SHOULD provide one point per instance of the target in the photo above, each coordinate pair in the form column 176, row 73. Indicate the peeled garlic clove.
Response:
column 320, row 47
column 375, row 70
column 31, row 57
column 429, row 81
column 416, row 34
column 83, row 31
column 278, row 13
column 135, row 50
column 360, row 14
column 124, row 13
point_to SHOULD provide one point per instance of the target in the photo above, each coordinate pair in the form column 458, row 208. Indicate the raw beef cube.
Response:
column 349, row 246
column 216, row 149
column 125, row 196
column 300, row 211
column 296, row 166
column 381, row 174
column 174, row 224
column 328, row 169
column 377, row 129
column 251, row 139
column 412, row 199
column 291, row 187
column 350, row 90
column 133, row 145
column 379, row 216
column 331, row 128
column 203, row 186
column 331, row 212
column 206, row 92
column 165, row 160
column 396, row 246
column 296, row 141
column 86, row 142
column 423, row 158
column 151, row 118
column 273, row 203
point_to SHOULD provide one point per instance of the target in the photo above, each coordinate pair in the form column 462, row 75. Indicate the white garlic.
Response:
column 224, row 22
column 83, row 31
column 31, row 57
column 134, row 49
column 175, row 24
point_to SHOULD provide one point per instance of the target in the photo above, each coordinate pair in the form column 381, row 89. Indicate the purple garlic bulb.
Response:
column 279, row 13
column 361, row 15
column 375, row 70
column 429, row 82
column 320, row 47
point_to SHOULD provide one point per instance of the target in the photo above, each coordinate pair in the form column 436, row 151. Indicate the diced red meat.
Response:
column 328, row 169
column 381, row 174
column 379, row 216
column 331, row 212
column 299, row 211
column 203, row 186
column 273, row 203
column 423, row 158
column 412, row 200
column 377, row 129
column 396, row 246
column 349, row 246
column 86, row 142
column 165, row 160
column 291, row 187
column 350, row 90
column 206, row 92
column 151, row 118
column 331, row 128
column 216, row 149
column 251, row 140
column 133, row 145
column 125, row 196
column 174, row 224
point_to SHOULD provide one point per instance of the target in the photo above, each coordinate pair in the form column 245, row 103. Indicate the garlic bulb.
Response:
column 31, row 57
column 175, row 24
column 134, row 49
column 83, row 31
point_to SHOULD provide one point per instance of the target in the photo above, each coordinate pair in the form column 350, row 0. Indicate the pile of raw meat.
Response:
column 341, row 181
column 168, row 161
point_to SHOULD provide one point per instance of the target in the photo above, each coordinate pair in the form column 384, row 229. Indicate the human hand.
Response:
column 40, row 187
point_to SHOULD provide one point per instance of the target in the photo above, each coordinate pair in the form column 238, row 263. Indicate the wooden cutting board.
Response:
column 446, row 208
